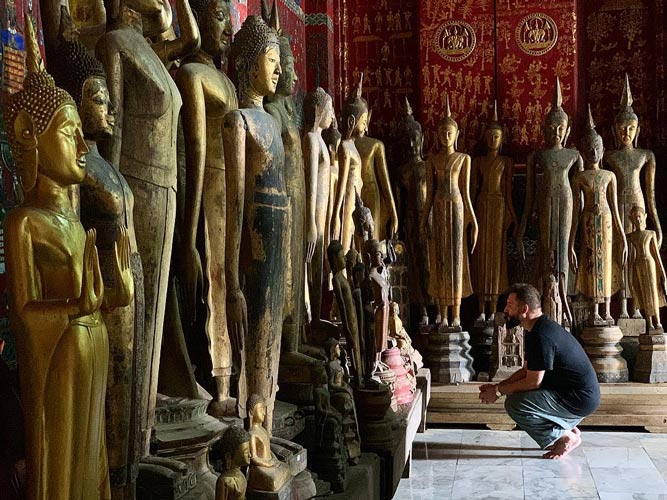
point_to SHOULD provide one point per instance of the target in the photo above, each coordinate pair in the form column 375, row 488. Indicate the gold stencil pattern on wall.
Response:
column 455, row 40
column 536, row 34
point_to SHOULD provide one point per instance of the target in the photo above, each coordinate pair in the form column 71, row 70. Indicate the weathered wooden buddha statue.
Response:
column 107, row 205
column 143, row 146
column 56, row 294
column 627, row 162
column 554, row 211
column 598, row 269
column 208, row 95
column 257, row 211
column 448, row 198
column 492, row 198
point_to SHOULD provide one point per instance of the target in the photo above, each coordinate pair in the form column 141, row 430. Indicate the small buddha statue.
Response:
column 648, row 281
column 355, row 116
column 332, row 138
column 107, row 205
column 208, row 95
column 301, row 246
column 492, row 199
column 376, row 192
column 410, row 199
column 600, row 226
column 554, row 212
column 346, row 307
column 377, row 284
column 448, row 197
column 627, row 162
column 266, row 472
column 232, row 483
column 143, row 146
column 57, row 293
column 257, row 206
column 364, row 224
column 318, row 115
column 403, row 341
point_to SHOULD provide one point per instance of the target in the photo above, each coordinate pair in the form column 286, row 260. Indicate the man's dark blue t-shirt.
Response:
column 568, row 370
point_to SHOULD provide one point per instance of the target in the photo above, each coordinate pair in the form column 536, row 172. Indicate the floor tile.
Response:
column 488, row 482
column 631, row 458
column 556, row 488
column 622, row 480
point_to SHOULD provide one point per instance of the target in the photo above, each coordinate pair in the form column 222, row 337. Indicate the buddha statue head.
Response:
column 332, row 135
column 256, row 55
column 373, row 251
column 409, row 133
column 557, row 123
column 591, row 147
column 355, row 113
column 626, row 122
column 363, row 218
column 336, row 256
column 256, row 409
column 332, row 348
column 235, row 447
column 494, row 133
column 448, row 129
column 83, row 77
column 318, row 109
column 638, row 218
column 43, row 126
column 215, row 26
column 288, row 78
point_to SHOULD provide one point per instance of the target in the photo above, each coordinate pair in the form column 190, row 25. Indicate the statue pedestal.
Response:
column 284, row 493
column 296, row 457
column 632, row 328
column 651, row 361
column 376, row 418
column 481, row 343
column 448, row 356
column 601, row 343
column 287, row 420
column 184, row 431
column 402, row 390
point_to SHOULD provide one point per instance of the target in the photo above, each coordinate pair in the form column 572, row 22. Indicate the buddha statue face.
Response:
column 61, row 148
column 258, row 413
column 638, row 218
column 493, row 138
column 96, row 111
column 555, row 131
column 592, row 149
column 241, row 457
column 626, row 132
column 361, row 126
column 288, row 78
column 327, row 114
column 215, row 27
column 266, row 72
column 448, row 134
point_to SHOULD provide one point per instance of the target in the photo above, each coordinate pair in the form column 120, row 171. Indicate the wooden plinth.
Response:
column 625, row 404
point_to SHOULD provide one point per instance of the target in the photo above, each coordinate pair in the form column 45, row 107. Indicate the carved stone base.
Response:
column 378, row 435
column 303, row 486
column 287, row 420
column 602, row 346
column 448, row 356
column 185, row 432
column 651, row 361
column 481, row 340
column 165, row 479
column 632, row 328
column 284, row 493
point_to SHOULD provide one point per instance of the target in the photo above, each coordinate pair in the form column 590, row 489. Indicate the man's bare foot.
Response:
column 564, row 446
column 576, row 431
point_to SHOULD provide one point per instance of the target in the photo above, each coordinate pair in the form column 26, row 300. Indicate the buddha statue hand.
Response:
column 311, row 239
column 573, row 259
column 624, row 253
column 237, row 318
column 192, row 281
column 124, row 290
column 475, row 231
column 394, row 226
column 92, row 286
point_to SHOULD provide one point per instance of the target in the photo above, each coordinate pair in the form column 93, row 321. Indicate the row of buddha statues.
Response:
column 108, row 261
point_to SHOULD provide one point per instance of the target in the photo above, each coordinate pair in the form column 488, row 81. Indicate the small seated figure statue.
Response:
column 403, row 341
column 266, row 472
column 645, row 269
column 232, row 483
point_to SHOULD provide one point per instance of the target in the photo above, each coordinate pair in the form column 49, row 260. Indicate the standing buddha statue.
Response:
column 627, row 162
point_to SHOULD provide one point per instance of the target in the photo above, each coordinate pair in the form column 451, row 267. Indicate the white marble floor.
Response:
column 476, row 464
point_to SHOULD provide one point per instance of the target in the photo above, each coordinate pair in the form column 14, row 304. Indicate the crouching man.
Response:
column 556, row 387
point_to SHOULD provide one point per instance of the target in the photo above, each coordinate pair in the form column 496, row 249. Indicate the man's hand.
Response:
column 487, row 394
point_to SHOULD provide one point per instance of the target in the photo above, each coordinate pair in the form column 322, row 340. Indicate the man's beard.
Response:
column 511, row 322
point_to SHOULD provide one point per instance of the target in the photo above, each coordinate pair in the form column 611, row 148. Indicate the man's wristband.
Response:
column 498, row 392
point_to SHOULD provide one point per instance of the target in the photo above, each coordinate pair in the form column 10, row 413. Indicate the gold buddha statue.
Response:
column 554, row 212
column 318, row 115
column 492, row 198
column 598, row 275
column 208, row 95
column 143, row 146
column 647, row 278
column 266, row 472
column 376, row 191
column 281, row 106
column 332, row 138
column 107, row 205
column 232, row 483
column 448, row 197
column 257, row 208
column 56, row 293
column 627, row 162
column 355, row 116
